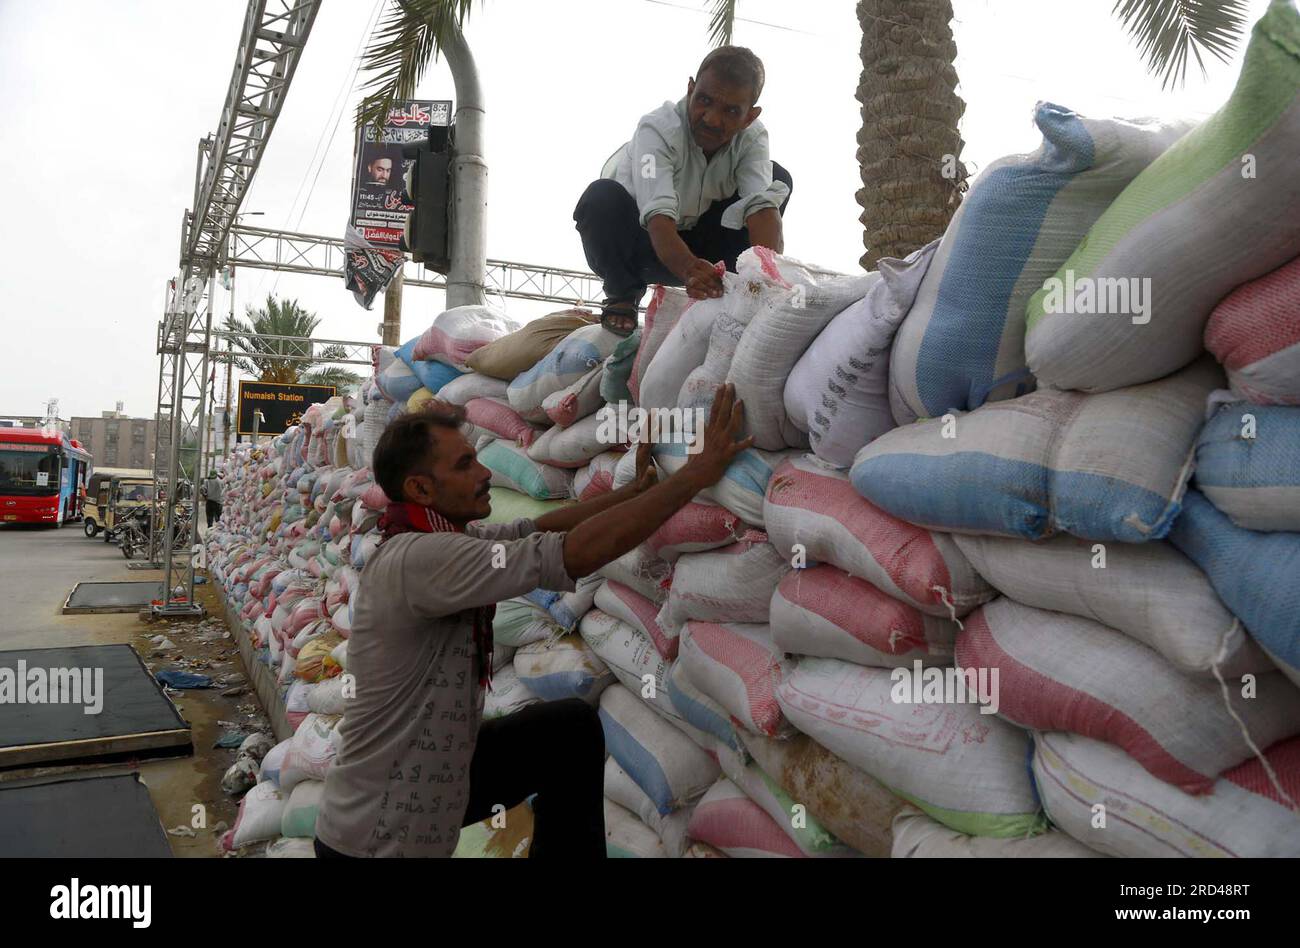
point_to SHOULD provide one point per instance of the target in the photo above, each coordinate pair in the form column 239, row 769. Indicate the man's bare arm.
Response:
column 765, row 229
column 700, row 278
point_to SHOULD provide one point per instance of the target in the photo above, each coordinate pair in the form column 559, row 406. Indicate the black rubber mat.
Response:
column 80, row 818
column 87, row 598
column 134, row 715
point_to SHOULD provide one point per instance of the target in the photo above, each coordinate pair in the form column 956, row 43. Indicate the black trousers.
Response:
column 618, row 248
column 214, row 511
column 555, row 750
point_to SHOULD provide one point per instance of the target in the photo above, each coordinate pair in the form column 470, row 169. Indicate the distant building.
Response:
column 117, row 440
column 34, row 421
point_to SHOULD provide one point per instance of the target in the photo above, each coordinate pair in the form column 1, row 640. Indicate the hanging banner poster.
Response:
column 379, row 205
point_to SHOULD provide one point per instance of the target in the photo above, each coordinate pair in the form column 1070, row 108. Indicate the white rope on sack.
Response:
column 1215, row 666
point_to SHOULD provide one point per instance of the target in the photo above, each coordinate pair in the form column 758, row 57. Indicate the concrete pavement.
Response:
column 38, row 568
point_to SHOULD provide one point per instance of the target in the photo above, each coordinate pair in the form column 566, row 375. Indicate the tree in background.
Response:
column 909, row 146
column 267, row 358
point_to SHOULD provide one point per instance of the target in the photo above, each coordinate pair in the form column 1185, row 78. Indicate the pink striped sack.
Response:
column 730, row 821
column 496, row 415
column 825, row 612
column 730, row 584
column 813, row 508
column 1251, row 812
column 1255, row 332
column 694, row 528
column 577, row 400
column 737, row 666
column 667, row 303
column 627, row 605
column 457, row 332
column 1065, row 673
column 597, row 477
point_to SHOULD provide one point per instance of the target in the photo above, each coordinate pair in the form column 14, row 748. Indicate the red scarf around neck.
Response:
column 404, row 517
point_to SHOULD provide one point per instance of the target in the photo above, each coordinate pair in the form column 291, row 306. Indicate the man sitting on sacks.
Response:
column 415, row 761
column 695, row 185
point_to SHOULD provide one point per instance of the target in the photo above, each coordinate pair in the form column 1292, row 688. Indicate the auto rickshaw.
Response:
column 109, row 496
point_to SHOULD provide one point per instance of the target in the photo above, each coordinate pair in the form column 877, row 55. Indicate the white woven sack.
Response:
column 778, row 335
column 1243, row 816
column 730, row 584
column 916, row 836
column 632, row 657
column 964, row 768
column 1148, row 591
column 627, row 837
column 620, row 788
column 838, row 391
column 685, row 347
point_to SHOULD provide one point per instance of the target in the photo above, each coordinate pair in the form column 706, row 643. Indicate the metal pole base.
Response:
column 177, row 610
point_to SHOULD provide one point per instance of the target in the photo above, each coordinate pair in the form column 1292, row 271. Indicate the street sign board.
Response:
column 281, row 405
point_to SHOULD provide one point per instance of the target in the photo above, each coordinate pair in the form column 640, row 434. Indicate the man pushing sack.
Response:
column 416, row 763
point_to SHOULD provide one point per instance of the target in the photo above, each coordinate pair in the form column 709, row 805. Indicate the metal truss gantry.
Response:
column 264, row 249
column 270, row 46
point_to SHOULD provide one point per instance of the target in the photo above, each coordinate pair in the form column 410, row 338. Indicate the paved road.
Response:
column 38, row 568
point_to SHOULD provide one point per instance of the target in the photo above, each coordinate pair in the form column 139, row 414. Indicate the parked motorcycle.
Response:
column 134, row 531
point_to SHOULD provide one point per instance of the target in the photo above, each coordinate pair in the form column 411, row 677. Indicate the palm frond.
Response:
column 723, row 23
column 340, row 378
column 409, row 37
column 1166, row 31
column 330, row 353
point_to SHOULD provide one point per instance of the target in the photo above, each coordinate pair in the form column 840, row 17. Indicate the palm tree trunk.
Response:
column 909, row 148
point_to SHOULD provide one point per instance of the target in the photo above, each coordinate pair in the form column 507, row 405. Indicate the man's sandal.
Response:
column 619, row 317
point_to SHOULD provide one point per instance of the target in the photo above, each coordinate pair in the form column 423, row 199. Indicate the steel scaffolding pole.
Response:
column 263, row 248
column 270, row 47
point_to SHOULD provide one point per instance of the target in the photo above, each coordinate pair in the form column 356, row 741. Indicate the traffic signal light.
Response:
column 427, row 182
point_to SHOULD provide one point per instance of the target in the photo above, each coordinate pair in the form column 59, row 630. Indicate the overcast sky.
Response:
column 104, row 104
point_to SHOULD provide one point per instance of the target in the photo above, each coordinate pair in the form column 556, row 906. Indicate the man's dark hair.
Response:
column 408, row 440
column 736, row 65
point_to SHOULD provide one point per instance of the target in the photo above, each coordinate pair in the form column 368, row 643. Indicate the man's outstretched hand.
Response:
column 720, row 442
